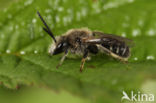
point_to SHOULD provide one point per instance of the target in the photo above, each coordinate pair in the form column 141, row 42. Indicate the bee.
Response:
column 85, row 42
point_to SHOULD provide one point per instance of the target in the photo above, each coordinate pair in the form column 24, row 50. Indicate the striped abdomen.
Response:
column 117, row 47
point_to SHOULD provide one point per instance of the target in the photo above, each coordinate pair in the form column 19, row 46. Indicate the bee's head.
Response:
column 59, row 47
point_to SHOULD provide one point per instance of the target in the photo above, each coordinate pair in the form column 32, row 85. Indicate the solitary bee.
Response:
column 85, row 42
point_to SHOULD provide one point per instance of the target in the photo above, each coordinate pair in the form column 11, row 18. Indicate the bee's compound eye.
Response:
column 60, row 48
column 59, row 45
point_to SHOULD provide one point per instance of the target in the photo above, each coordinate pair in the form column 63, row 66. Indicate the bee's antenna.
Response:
column 47, row 28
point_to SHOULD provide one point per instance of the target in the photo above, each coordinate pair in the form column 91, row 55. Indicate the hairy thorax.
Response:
column 75, row 40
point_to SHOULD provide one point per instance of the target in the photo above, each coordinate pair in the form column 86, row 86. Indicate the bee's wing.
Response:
column 98, row 35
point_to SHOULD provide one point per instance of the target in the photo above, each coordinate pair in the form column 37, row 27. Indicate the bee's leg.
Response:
column 85, row 55
column 62, row 59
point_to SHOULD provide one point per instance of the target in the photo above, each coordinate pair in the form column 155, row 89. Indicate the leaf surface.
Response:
column 23, row 46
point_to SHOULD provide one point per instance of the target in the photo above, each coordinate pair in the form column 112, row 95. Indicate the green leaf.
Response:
column 23, row 46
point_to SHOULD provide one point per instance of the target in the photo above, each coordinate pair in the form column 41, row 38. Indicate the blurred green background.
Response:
column 28, row 73
column 33, row 94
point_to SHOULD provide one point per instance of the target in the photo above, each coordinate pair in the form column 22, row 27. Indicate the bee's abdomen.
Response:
column 119, row 49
